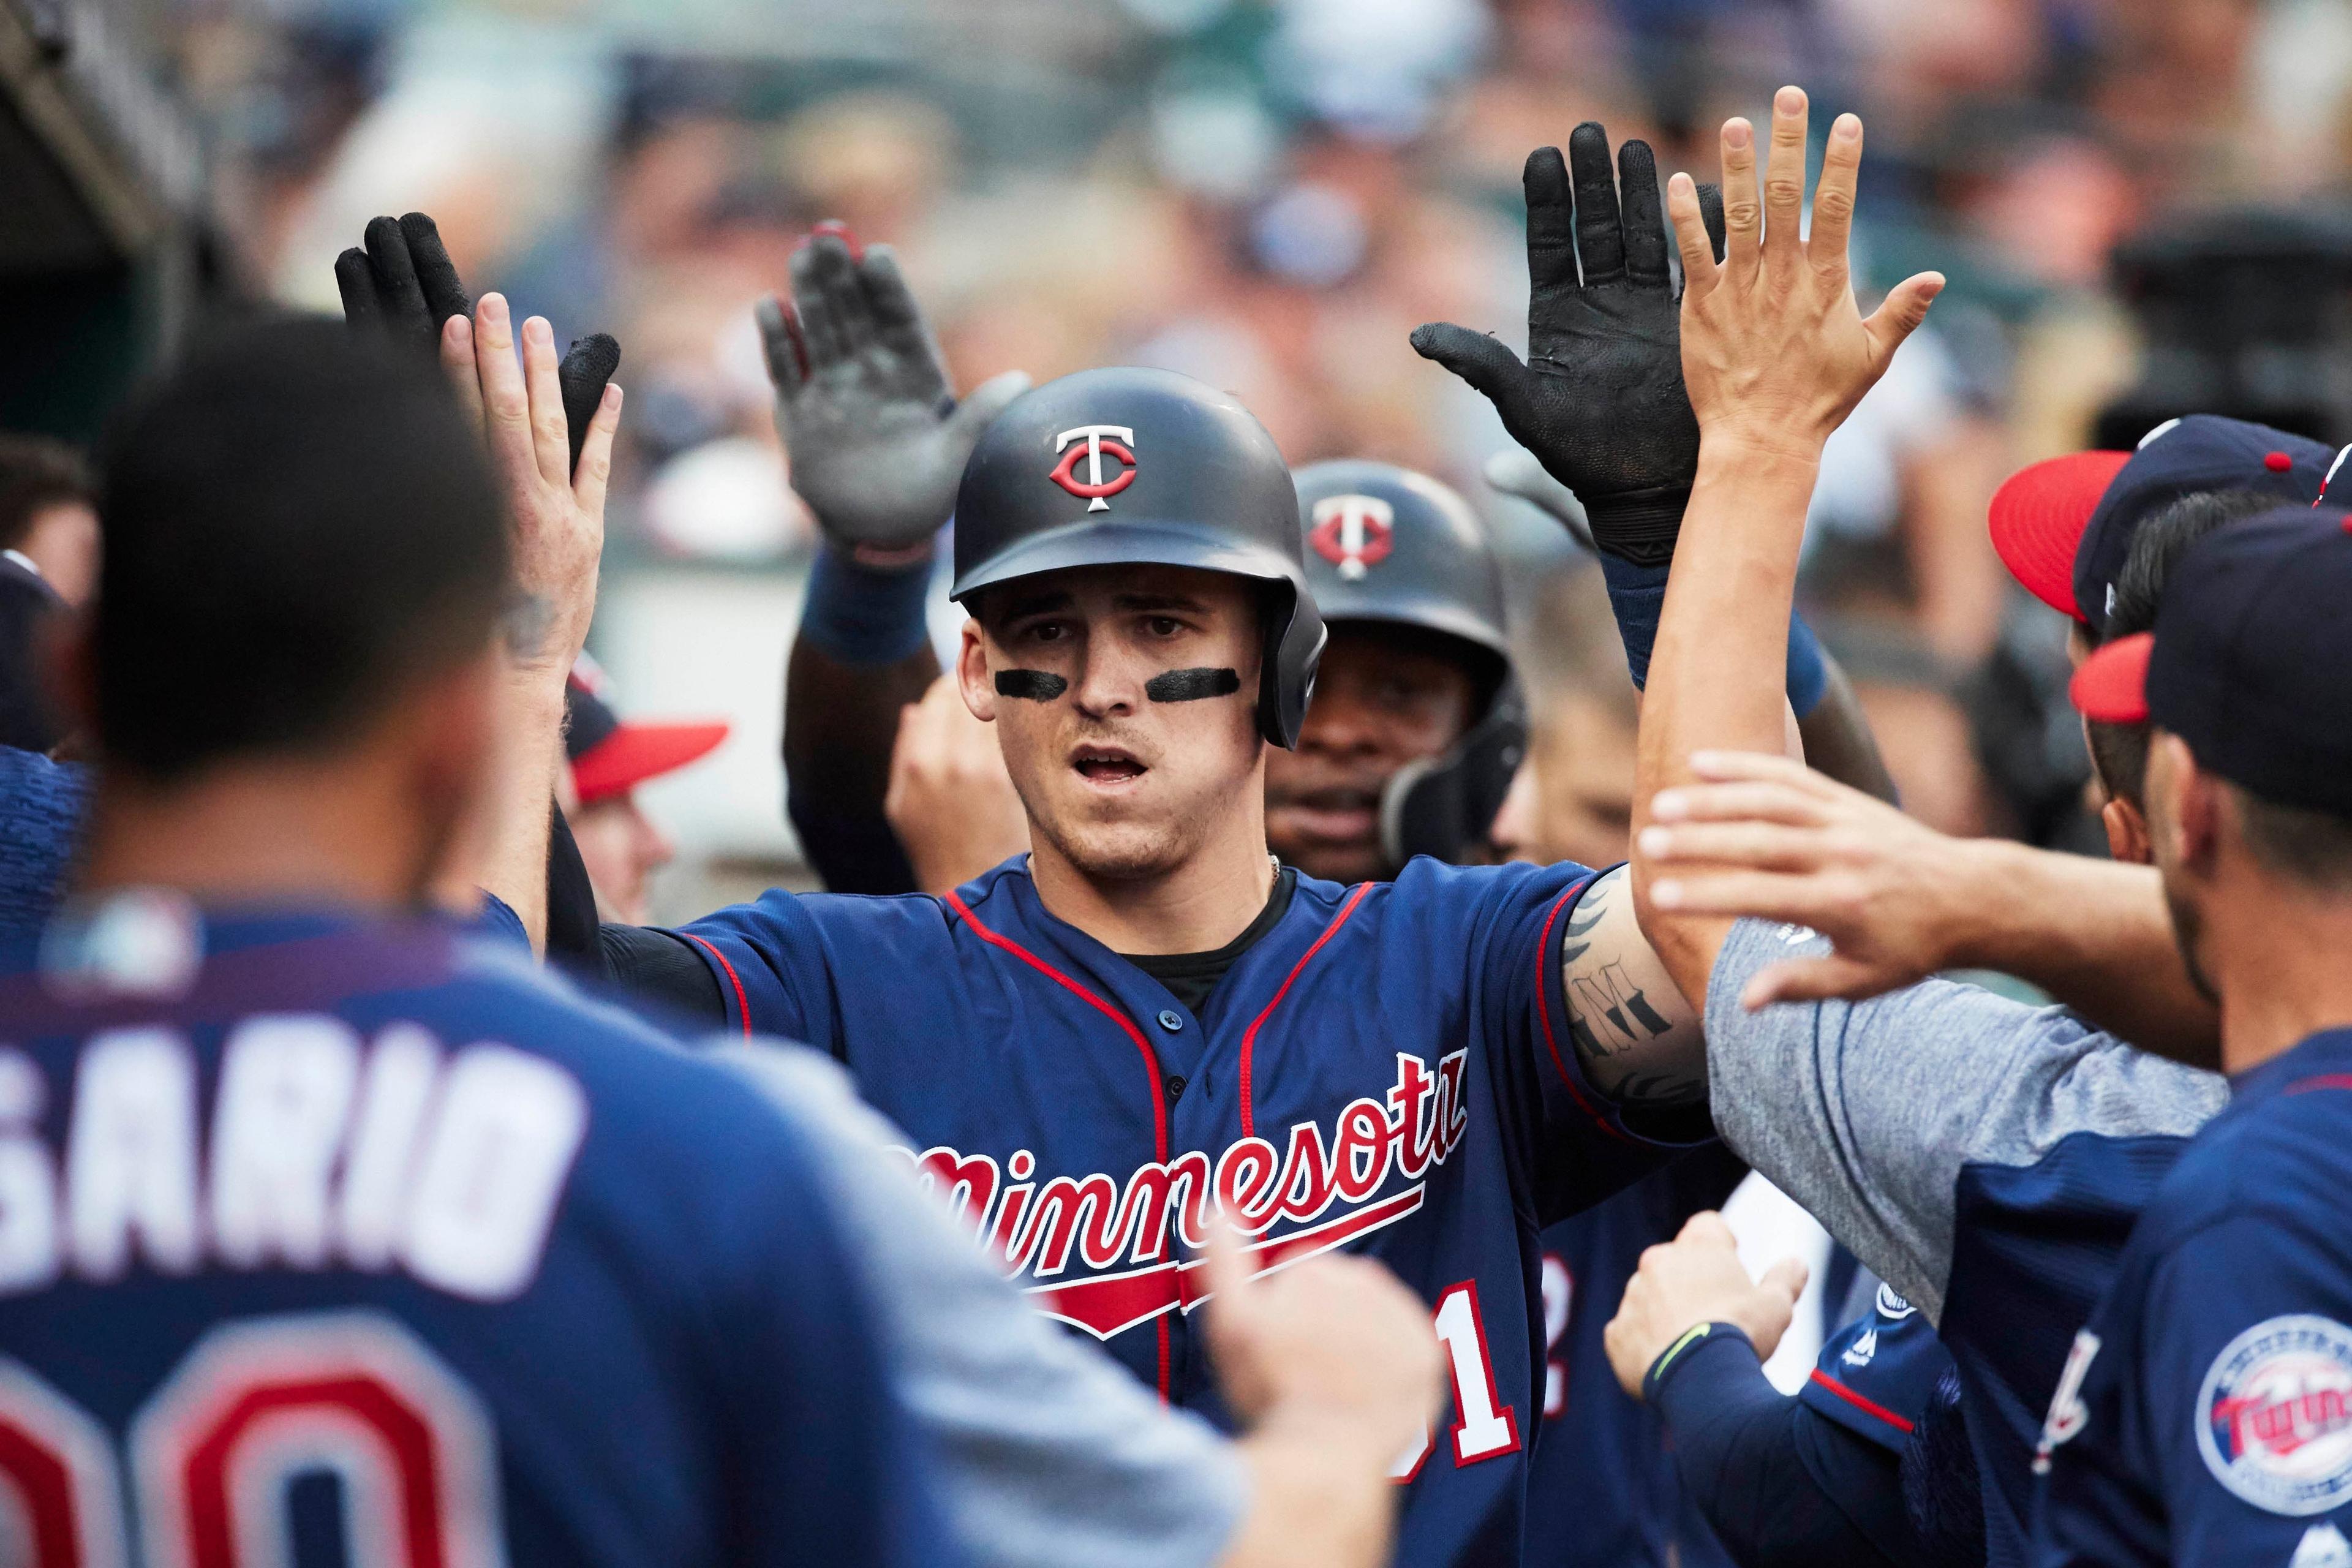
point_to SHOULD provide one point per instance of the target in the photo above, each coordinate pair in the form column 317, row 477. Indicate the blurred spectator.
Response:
column 48, row 514
column 610, row 756
column 1573, row 797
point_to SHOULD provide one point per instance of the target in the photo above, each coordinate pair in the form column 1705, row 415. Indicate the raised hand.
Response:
column 556, row 515
column 1599, row 402
column 1697, row 1278
column 876, row 437
column 403, row 288
column 950, row 800
column 1775, row 352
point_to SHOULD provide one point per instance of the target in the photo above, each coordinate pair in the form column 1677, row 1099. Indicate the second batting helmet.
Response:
column 1111, row 466
column 1389, row 545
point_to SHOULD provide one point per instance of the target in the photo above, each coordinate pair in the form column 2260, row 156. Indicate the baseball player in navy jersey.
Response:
column 363, row 1236
column 2206, row 1415
column 1403, row 1068
column 1987, row 1158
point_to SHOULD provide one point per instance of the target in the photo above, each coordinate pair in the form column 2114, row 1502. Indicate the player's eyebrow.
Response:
column 1038, row 601
column 1157, row 602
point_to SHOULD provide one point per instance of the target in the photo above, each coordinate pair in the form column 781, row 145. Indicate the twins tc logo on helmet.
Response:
column 1117, row 441
column 1354, row 533
column 2274, row 1416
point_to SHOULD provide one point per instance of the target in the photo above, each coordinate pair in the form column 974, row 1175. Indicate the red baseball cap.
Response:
column 610, row 756
column 2111, row 685
column 2037, row 517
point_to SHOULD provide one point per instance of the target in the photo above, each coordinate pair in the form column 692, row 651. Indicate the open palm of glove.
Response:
column 877, row 439
column 400, row 286
column 1599, row 402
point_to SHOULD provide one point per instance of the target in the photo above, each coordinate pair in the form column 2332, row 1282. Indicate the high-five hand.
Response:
column 877, row 439
column 557, row 517
column 1600, row 401
column 1775, row 352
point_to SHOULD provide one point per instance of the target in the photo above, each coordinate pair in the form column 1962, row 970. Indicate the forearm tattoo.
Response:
column 1636, row 1036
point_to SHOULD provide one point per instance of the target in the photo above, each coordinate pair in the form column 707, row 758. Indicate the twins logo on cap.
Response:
column 2274, row 1416
column 1117, row 440
column 1353, row 533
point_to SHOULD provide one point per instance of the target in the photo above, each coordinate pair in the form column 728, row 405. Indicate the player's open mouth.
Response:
column 1334, row 816
column 1106, row 765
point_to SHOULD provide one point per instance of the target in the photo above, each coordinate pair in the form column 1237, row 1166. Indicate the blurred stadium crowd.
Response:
column 1268, row 197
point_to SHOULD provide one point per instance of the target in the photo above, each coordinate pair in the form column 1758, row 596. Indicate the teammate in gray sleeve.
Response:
column 1054, row 1455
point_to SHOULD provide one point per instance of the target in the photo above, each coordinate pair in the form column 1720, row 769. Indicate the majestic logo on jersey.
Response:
column 2067, row 1412
column 1892, row 1305
column 1864, row 1349
column 1131, row 1229
column 1354, row 533
column 2274, row 1416
column 1116, row 441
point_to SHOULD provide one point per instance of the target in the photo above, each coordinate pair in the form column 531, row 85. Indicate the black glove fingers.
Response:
column 1551, row 244
column 397, row 293
column 820, row 335
column 1710, row 212
column 586, row 367
column 1485, row 361
column 1599, row 237
column 437, row 275
column 356, row 282
column 1646, row 240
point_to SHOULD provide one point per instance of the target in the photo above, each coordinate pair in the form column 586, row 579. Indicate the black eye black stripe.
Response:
column 1192, row 685
column 1034, row 685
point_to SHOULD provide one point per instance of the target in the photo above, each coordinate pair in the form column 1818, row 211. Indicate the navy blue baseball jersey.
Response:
column 1876, row 1375
column 1986, row 1157
column 332, row 1240
column 1602, row 1488
column 1388, row 1069
column 2207, row 1413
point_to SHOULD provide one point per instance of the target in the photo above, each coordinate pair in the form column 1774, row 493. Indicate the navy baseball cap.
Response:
column 2251, row 660
column 610, row 754
column 2064, row 526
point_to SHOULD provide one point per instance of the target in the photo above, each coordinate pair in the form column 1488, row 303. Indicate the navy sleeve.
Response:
column 2222, row 1419
column 835, row 1469
column 1876, row 1375
column 1781, row 1486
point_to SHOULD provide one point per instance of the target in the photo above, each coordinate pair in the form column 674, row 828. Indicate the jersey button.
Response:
column 1171, row 1020
column 1175, row 1087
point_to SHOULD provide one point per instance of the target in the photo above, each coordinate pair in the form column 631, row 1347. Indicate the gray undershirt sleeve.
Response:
column 1055, row 1456
column 1866, row 1112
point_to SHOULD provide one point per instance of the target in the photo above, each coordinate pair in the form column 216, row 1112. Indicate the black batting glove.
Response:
column 1600, row 401
column 403, row 287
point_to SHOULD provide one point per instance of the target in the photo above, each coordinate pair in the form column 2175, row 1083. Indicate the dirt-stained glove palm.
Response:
column 1600, row 401
column 877, row 439
column 403, row 288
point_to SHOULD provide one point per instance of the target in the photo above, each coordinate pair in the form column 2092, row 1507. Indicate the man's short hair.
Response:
column 2119, row 752
column 2312, row 848
column 298, row 525
column 36, row 474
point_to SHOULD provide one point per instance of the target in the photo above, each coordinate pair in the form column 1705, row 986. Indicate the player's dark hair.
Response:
column 2312, row 848
column 2119, row 752
column 298, row 525
column 36, row 474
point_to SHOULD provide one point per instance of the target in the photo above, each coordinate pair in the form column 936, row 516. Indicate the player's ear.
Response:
column 2126, row 832
column 971, row 673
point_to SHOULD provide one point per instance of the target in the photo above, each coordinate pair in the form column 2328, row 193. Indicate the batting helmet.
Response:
column 1389, row 545
column 1108, row 466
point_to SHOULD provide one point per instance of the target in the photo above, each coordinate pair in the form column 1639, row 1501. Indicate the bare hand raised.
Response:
column 1775, row 351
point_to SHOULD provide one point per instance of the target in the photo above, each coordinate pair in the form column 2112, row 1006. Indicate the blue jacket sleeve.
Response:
column 1782, row 1487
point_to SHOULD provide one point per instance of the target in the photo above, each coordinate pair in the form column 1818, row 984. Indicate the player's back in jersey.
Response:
column 326, row 1239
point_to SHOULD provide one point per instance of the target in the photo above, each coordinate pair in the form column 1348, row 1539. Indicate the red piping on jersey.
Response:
column 2325, row 1080
column 1150, row 1065
column 742, row 1006
column 1249, row 1037
column 1548, row 954
column 1867, row 1406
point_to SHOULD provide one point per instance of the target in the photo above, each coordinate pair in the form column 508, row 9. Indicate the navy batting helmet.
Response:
column 1107, row 467
column 1388, row 545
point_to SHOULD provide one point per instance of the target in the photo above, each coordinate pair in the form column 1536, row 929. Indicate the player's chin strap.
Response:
column 1445, row 805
